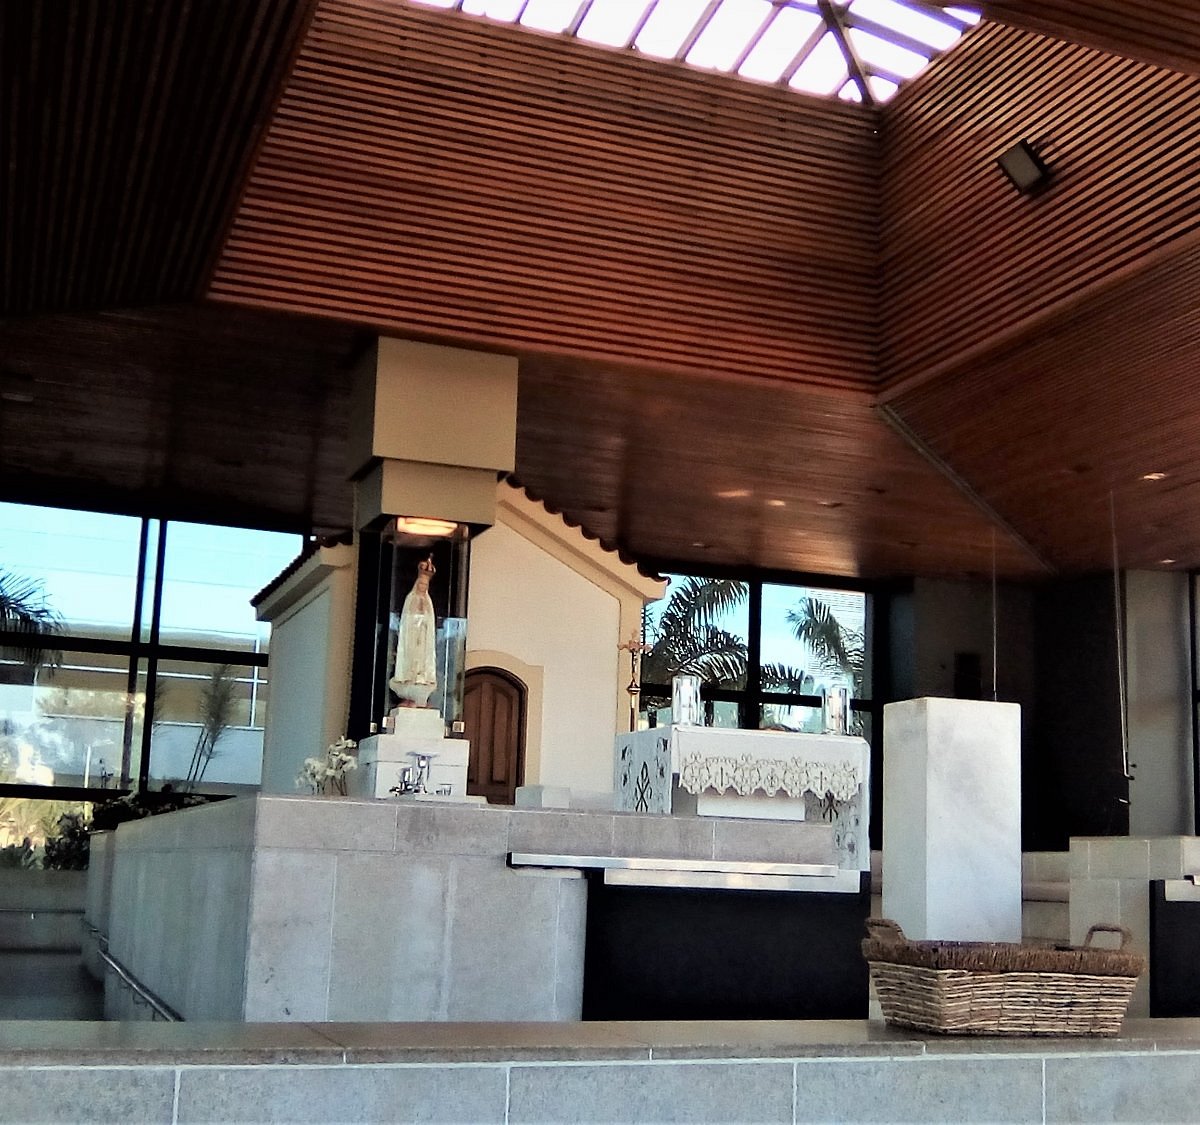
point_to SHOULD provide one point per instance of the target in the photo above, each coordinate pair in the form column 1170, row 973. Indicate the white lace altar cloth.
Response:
column 830, row 773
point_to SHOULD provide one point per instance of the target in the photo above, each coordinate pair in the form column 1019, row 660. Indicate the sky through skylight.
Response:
column 860, row 50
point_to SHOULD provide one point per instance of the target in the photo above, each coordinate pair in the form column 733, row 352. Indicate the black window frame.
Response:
column 138, row 653
column 750, row 700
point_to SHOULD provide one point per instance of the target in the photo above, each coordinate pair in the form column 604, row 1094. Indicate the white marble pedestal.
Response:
column 952, row 819
column 382, row 756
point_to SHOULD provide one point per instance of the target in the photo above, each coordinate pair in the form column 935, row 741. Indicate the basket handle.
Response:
column 1108, row 928
column 884, row 929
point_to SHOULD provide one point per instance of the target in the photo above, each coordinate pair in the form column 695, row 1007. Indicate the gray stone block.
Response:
column 502, row 949
column 478, row 830
column 919, row 1089
column 1125, row 1088
column 291, row 918
column 773, row 841
column 389, row 938
column 94, row 1094
column 342, row 1094
column 545, row 832
column 653, row 1092
column 663, row 837
column 570, row 940
column 331, row 823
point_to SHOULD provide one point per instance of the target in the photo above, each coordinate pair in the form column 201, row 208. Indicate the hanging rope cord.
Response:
column 1120, row 634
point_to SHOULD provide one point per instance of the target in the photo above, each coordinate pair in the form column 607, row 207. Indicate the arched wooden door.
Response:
column 494, row 713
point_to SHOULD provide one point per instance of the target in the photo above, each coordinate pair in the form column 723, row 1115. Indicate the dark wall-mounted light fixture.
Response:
column 1025, row 168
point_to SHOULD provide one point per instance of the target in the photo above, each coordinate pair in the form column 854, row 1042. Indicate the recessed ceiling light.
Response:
column 1166, row 562
column 830, row 503
column 1154, row 476
column 733, row 494
column 424, row 526
column 700, row 545
column 776, row 503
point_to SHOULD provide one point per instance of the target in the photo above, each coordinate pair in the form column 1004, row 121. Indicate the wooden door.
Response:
column 494, row 713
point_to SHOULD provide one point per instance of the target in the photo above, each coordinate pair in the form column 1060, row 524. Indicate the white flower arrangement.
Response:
column 328, row 774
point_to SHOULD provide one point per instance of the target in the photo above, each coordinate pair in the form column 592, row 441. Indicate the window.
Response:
column 129, row 652
column 765, row 652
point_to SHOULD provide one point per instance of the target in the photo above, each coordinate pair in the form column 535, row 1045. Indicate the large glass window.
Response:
column 129, row 652
column 766, row 653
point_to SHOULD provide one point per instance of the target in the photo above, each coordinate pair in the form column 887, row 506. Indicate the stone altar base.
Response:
column 315, row 908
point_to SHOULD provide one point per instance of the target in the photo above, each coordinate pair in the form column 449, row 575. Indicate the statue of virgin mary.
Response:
column 415, row 675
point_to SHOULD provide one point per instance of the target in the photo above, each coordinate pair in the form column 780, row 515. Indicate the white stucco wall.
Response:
column 527, row 603
column 312, row 619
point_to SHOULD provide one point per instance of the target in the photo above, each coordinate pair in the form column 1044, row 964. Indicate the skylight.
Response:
column 858, row 50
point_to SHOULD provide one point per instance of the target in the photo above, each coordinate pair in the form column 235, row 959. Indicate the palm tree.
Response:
column 840, row 651
column 687, row 639
column 24, row 612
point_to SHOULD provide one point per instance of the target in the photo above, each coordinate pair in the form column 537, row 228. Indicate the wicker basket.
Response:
column 984, row 988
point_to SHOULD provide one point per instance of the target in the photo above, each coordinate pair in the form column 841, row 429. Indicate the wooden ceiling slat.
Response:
column 1163, row 32
column 452, row 179
column 1046, row 428
column 965, row 258
column 125, row 128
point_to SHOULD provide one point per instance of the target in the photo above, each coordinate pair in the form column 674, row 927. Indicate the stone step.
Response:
column 48, row 986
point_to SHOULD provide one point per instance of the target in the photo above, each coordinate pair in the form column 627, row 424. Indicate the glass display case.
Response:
column 424, row 568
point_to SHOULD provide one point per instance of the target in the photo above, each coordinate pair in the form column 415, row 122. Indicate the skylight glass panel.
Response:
column 915, row 25
column 550, row 15
column 726, row 35
column 668, row 26
column 881, row 89
column 876, row 52
column 612, row 22
column 778, row 46
column 504, row 10
column 893, row 39
column 824, row 71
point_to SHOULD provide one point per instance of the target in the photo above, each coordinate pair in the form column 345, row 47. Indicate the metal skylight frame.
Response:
column 858, row 50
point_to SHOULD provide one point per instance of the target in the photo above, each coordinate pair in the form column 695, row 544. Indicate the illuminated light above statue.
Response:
column 424, row 526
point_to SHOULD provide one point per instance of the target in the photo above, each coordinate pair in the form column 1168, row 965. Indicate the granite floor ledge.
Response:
column 66, row 1043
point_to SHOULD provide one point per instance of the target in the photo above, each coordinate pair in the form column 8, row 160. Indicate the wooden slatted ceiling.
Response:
column 125, row 128
column 199, row 413
column 1163, row 32
column 967, row 261
column 813, row 482
column 1045, row 429
column 432, row 175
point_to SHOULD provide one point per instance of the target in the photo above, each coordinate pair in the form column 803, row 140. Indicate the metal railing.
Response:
column 141, row 994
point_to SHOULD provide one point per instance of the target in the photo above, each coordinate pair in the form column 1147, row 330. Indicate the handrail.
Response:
column 139, row 990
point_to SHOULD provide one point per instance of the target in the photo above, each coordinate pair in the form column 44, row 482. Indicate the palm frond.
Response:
column 23, row 611
column 783, row 677
column 838, row 649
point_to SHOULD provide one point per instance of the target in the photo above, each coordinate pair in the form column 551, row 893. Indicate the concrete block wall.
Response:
column 1110, row 882
column 179, row 909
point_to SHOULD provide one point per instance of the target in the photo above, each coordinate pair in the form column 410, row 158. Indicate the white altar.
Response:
column 713, row 771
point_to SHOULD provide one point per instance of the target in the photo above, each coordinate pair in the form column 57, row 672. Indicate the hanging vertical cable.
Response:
column 1122, row 702
column 995, row 620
